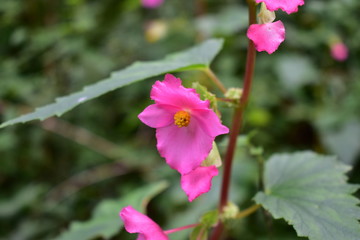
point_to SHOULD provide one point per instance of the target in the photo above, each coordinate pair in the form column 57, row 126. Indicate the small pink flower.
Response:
column 289, row 6
column 185, row 125
column 198, row 181
column 339, row 51
column 267, row 37
column 151, row 3
column 136, row 222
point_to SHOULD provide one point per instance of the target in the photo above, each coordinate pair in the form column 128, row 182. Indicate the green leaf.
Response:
column 311, row 193
column 105, row 221
column 210, row 218
column 344, row 141
column 198, row 57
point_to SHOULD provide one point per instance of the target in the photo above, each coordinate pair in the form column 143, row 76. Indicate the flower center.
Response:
column 182, row 119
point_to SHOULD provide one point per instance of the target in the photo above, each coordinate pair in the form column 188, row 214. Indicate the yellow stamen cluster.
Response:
column 182, row 119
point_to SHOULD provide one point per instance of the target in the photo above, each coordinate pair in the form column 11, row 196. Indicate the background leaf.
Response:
column 105, row 221
column 310, row 192
column 195, row 58
column 344, row 141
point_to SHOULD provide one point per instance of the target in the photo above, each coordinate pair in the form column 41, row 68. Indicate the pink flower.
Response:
column 151, row 3
column 198, row 181
column 136, row 222
column 339, row 51
column 268, row 36
column 185, row 125
column 289, row 6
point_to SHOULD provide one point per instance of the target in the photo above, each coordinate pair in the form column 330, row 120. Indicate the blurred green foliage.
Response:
column 57, row 171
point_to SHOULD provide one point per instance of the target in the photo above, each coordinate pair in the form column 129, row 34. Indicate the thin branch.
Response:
column 215, row 79
column 248, row 211
column 82, row 136
column 181, row 228
column 84, row 179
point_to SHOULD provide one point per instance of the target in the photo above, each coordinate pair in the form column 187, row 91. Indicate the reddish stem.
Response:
column 237, row 122
column 180, row 228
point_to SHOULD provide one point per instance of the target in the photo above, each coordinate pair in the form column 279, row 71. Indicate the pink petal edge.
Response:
column 136, row 222
column 288, row 6
column 267, row 37
column 171, row 92
column 198, row 181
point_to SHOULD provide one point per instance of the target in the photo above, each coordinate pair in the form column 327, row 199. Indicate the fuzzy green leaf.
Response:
column 206, row 95
column 105, row 221
column 311, row 193
column 198, row 57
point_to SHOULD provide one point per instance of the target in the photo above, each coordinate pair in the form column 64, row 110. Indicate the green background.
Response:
column 57, row 171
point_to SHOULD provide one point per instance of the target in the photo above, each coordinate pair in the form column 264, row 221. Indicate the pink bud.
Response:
column 339, row 51
column 151, row 3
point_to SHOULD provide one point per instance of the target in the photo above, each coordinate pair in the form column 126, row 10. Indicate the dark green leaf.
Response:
column 311, row 193
column 23, row 198
column 198, row 57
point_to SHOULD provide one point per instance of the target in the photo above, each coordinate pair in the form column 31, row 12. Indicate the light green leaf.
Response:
column 105, row 221
column 213, row 158
column 210, row 218
column 311, row 193
column 198, row 57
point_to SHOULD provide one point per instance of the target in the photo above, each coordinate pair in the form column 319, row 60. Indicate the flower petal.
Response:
column 158, row 115
column 136, row 222
column 209, row 122
column 183, row 148
column 289, row 6
column 267, row 37
column 171, row 92
column 198, row 181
